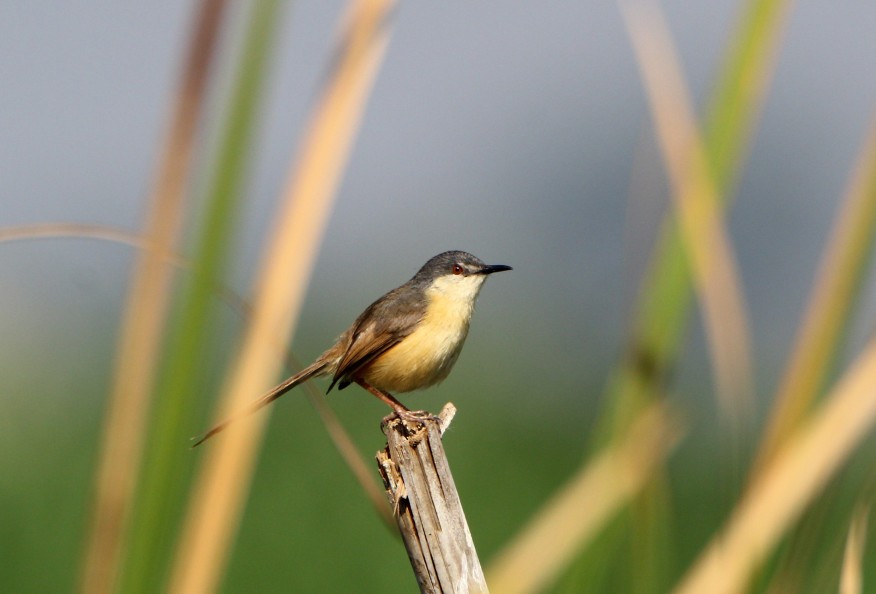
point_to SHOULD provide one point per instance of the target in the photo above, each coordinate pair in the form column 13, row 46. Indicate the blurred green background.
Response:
column 514, row 130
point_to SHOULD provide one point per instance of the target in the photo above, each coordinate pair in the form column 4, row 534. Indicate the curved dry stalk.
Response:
column 217, row 497
column 75, row 231
column 701, row 221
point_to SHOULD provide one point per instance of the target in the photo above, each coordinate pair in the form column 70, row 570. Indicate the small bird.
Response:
column 407, row 340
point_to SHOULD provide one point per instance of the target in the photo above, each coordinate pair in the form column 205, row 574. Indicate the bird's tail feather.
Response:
column 318, row 368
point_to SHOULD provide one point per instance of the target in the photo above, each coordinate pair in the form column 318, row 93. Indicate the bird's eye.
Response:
column 457, row 269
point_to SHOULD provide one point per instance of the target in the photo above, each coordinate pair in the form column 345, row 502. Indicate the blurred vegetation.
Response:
column 307, row 528
column 165, row 471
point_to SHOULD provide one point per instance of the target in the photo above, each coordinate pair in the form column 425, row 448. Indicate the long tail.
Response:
column 317, row 368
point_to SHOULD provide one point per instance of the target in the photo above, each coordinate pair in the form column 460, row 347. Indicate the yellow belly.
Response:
column 426, row 356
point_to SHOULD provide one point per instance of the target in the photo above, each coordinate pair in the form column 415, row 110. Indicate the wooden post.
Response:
column 426, row 506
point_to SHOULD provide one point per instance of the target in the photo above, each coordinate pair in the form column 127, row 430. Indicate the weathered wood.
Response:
column 426, row 506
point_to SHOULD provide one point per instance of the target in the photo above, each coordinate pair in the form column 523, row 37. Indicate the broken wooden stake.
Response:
column 426, row 506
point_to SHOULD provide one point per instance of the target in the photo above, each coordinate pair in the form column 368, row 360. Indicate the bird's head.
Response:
column 457, row 275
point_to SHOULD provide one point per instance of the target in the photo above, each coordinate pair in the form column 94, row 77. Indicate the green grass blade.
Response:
column 741, row 89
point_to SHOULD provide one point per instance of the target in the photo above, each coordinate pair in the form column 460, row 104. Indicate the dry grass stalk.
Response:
column 577, row 512
column 696, row 200
column 218, row 495
column 832, row 295
column 350, row 453
column 852, row 576
column 788, row 483
column 143, row 323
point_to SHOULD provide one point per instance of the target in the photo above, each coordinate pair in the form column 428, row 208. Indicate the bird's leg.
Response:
column 384, row 396
column 403, row 412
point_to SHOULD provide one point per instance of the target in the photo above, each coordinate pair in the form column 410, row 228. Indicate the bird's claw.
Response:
column 415, row 417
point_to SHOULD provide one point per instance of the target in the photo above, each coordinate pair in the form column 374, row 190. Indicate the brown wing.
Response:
column 380, row 327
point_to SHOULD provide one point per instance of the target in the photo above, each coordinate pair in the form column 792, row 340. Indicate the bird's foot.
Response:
column 415, row 417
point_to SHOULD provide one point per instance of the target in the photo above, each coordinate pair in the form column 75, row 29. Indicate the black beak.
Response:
column 491, row 268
